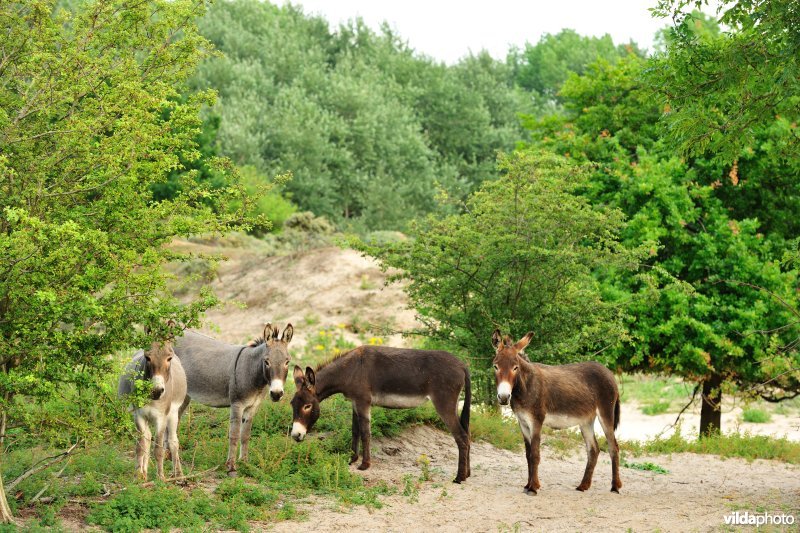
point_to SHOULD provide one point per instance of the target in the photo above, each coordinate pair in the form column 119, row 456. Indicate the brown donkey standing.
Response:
column 387, row 377
column 558, row 397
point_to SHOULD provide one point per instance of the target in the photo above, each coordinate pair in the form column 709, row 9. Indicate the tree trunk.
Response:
column 5, row 511
column 710, row 413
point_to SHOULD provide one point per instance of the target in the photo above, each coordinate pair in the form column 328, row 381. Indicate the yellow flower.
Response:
column 341, row 326
column 319, row 347
column 322, row 333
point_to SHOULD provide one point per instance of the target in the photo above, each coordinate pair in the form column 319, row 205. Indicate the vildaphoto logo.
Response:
column 747, row 518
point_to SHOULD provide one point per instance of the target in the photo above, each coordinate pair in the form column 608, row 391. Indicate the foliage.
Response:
column 722, row 88
column 524, row 255
column 368, row 128
column 756, row 415
column 646, row 466
column 742, row 445
column 543, row 68
column 91, row 122
column 723, row 296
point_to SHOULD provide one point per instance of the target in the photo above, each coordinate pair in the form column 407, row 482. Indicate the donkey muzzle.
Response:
column 157, row 392
column 504, row 392
column 298, row 431
column 276, row 390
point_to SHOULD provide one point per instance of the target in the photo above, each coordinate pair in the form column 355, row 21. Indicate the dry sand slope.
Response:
column 327, row 286
column 694, row 496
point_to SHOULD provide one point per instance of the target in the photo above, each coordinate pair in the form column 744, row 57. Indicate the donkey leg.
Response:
column 142, row 447
column 354, row 445
column 448, row 412
column 234, row 433
column 535, row 456
column 529, row 460
column 592, row 451
column 607, row 423
column 247, row 427
column 365, row 431
column 161, row 427
column 172, row 441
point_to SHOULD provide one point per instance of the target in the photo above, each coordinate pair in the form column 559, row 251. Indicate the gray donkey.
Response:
column 164, row 371
column 222, row 375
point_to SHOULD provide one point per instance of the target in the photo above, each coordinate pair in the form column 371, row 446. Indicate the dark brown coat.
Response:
column 387, row 377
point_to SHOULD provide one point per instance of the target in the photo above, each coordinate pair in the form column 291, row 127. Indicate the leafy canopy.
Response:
column 90, row 123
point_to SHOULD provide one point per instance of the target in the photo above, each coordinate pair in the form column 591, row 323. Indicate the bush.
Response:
column 756, row 415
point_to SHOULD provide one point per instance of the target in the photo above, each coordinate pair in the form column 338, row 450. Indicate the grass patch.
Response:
column 756, row 415
column 655, row 408
column 488, row 425
column 744, row 445
column 646, row 466
column 656, row 393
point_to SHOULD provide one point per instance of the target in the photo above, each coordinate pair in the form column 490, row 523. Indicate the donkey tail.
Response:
column 616, row 414
column 467, row 401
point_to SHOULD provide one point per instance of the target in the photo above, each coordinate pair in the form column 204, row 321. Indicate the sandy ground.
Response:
column 695, row 495
column 312, row 290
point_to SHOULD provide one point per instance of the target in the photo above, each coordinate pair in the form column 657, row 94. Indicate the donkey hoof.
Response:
column 353, row 459
column 581, row 488
column 615, row 490
column 459, row 480
column 363, row 466
column 529, row 491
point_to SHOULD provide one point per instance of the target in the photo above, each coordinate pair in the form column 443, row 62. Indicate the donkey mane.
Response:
column 256, row 342
column 355, row 351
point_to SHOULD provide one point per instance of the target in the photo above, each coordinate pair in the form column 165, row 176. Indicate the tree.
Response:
column 354, row 114
column 543, row 68
column 90, row 123
column 526, row 254
column 718, row 318
column 722, row 88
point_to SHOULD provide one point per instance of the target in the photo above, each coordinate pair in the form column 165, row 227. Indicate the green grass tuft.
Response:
column 756, row 415
column 656, row 408
column 744, row 445
column 647, row 466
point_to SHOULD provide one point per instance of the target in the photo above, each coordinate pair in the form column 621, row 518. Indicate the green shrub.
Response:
column 656, row 408
column 756, row 415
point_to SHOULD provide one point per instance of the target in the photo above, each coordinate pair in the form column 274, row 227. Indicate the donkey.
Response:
column 226, row 375
column 388, row 377
column 559, row 397
column 164, row 371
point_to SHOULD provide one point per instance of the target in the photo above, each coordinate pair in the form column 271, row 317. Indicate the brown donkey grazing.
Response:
column 559, row 397
column 387, row 377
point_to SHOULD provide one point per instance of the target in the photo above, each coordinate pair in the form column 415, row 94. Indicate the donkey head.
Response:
column 157, row 362
column 276, row 358
column 305, row 404
column 506, row 363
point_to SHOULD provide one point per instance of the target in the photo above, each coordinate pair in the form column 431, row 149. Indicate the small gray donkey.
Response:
column 163, row 369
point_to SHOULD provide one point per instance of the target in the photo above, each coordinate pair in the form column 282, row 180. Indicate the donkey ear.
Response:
column 496, row 338
column 310, row 376
column 267, row 331
column 298, row 376
column 524, row 341
column 286, row 336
